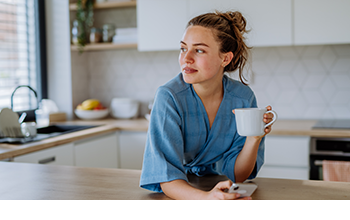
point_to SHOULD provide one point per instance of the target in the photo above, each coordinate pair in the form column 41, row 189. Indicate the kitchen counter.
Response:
column 281, row 127
column 105, row 126
column 49, row 182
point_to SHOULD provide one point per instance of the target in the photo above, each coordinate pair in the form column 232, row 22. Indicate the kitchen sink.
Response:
column 55, row 130
column 48, row 132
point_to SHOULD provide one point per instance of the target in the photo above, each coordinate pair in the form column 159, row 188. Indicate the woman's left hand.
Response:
column 267, row 119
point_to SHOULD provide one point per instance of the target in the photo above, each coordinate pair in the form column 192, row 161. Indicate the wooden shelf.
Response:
column 105, row 46
column 107, row 5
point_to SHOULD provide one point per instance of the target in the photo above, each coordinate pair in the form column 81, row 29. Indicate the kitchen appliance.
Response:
column 124, row 108
column 332, row 124
column 333, row 149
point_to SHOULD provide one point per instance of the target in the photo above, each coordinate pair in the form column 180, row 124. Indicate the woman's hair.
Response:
column 229, row 28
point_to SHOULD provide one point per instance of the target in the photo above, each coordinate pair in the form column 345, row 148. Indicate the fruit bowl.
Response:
column 91, row 114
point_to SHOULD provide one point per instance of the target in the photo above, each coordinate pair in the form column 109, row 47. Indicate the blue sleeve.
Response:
column 229, row 159
column 163, row 157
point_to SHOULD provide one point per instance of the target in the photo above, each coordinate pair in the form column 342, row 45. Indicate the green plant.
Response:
column 85, row 18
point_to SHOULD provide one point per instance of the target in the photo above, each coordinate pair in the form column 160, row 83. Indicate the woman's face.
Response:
column 200, row 59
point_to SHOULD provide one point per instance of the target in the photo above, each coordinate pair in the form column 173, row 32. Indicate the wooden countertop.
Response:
column 281, row 127
column 304, row 128
column 21, row 181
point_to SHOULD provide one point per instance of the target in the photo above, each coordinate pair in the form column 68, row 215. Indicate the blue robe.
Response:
column 180, row 140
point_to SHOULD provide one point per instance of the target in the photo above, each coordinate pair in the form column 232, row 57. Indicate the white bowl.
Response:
column 91, row 114
column 124, row 108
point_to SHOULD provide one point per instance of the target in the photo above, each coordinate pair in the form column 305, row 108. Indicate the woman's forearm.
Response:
column 180, row 189
column 246, row 159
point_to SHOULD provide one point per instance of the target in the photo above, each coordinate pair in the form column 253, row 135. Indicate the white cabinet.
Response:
column 100, row 151
column 160, row 24
column 270, row 21
column 60, row 155
column 321, row 22
column 131, row 149
column 286, row 157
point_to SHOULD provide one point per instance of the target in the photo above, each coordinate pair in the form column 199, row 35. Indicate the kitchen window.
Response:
column 22, row 53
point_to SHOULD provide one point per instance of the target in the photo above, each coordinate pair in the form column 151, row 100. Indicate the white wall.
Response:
column 58, row 54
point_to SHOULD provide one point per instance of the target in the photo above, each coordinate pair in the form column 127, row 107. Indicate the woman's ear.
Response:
column 227, row 58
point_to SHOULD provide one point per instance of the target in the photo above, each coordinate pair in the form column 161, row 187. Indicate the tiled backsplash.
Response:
column 304, row 82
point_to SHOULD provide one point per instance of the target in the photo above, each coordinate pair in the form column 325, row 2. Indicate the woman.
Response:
column 192, row 128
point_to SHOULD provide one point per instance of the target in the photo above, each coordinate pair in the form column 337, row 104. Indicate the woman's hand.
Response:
column 180, row 189
column 219, row 192
column 267, row 119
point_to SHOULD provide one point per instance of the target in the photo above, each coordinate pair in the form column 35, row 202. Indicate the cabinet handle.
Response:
column 47, row 160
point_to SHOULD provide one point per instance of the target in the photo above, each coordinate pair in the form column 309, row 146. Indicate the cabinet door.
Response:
column 160, row 24
column 286, row 157
column 321, row 22
column 270, row 21
column 131, row 149
column 100, row 151
column 292, row 151
column 60, row 155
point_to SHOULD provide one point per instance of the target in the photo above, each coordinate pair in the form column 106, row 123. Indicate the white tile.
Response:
column 260, row 67
column 313, row 65
column 273, row 89
column 288, row 53
column 340, row 111
column 328, row 57
column 286, row 96
column 286, row 82
column 341, row 65
column 314, row 111
column 341, row 97
column 313, row 81
column 342, row 50
column 312, row 51
column 286, row 66
column 328, row 88
column 314, row 97
column 342, row 81
column 299, row 73
column 272, row 59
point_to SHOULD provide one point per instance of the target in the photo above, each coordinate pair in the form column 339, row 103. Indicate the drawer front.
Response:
column 287, row 151
column 98, row 152
column 60, row 155
column 284, row 172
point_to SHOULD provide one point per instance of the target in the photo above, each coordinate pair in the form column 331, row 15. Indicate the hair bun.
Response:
column 235, row 19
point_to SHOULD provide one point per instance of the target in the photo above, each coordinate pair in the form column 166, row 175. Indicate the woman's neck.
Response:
column 210, row 91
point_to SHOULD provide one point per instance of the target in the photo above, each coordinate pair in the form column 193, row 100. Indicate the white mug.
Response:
column 249, row 121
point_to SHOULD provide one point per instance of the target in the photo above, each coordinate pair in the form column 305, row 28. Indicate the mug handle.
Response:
column 274, row 118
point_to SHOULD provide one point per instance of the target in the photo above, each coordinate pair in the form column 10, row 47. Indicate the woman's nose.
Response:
column 188, row 58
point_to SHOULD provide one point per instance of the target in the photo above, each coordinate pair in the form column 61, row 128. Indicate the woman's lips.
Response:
column 189, row 70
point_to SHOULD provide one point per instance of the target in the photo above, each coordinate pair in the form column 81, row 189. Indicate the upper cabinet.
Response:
column 270, row 21
column 161, row 24
column 321, row 22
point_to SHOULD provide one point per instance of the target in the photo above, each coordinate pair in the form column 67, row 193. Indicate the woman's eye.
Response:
column 199, row 51
column 183, row 49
